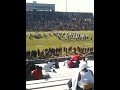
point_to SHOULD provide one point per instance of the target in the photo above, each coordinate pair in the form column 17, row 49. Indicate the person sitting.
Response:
column 50, row 64
column 71, row 64
column 83, row 80
column 37, row 73
column 46, row 67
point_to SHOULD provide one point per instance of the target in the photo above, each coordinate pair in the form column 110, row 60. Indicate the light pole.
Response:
column 66, row 5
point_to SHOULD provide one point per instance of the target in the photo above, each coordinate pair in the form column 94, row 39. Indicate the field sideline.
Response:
column 53, row 42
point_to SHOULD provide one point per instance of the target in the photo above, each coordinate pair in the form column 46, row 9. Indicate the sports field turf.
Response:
column 54, row 42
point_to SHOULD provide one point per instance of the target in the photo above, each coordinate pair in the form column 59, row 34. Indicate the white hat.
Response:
column 82, row 66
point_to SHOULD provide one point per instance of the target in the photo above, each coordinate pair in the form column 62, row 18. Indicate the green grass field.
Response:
column 54, row 42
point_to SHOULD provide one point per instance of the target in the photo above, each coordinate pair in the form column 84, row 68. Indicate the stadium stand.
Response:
column 57, row 81
column 50, row 20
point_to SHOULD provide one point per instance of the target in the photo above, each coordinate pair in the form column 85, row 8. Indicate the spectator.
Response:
column 71, row 64
column 83, row 80
column 37, row 73
column 46, row 67
column 38, row 51
column 50, row 64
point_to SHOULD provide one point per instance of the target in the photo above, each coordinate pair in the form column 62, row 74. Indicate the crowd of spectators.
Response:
column 46, row 20
column 56, row 52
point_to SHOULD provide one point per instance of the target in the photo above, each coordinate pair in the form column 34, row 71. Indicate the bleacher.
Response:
column 40, row 20
column 58, row 81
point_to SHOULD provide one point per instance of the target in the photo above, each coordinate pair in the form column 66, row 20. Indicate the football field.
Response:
column 54, row 42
